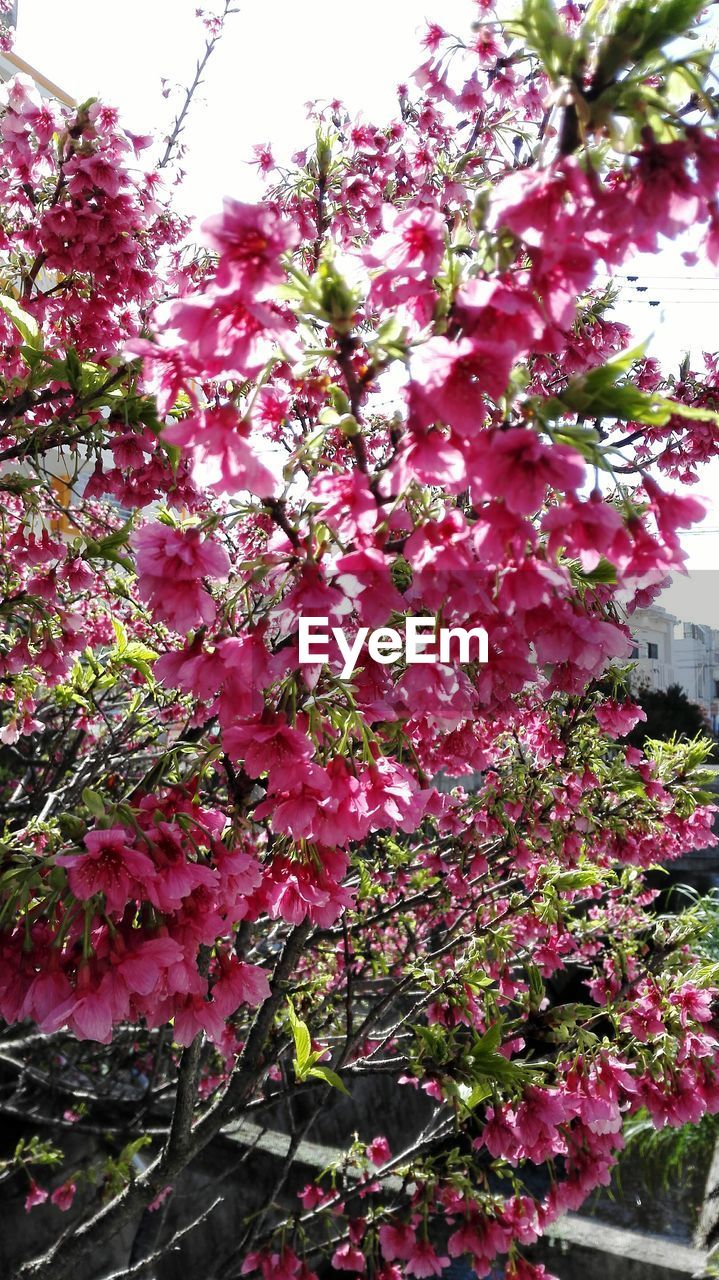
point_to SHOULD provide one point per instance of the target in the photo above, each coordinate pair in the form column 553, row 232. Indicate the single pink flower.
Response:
column 250, row 240
column 224, row 458
column 36, row 1195
column 159, row 1199
column 111, row 866
column 172, row 565
column 618, row 718
column 64, row 1195
column 452, row 379
column 413, row 242
column 424, row 1261
column 517, row 466
column 396, row 1242
column 239, row 983
column 379, row 1151
column 348, row 1258
column 267, row 746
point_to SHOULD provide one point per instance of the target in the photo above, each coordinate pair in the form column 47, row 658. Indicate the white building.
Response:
column 653, row 630
column 667, row 651
column 696, row 654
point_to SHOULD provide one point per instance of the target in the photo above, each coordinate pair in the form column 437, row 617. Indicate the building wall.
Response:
column 694, row 651
column 653, row 632
column 670, row 652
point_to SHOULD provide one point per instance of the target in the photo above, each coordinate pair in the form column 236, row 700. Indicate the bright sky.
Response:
column 274, row 57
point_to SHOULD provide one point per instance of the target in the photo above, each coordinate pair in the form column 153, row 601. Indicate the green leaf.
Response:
column 489, row 1066
column 137, row 652
column 637, row 30
column 467, row 1095
column 567, row 881
column 93, row 802
column 604, row 393
column 329, row 1076
column 108, row 548
column 490, row 1041
column 174, row 455
column 365, row 881
column 539, row 26
column 604, row 573
column 73, row 365
column 71, row 827
column 690, row 411
column 339, row 400
column 116, row 539
column 302, row 1041
column 120, row 635
column 25, row 324
column 584, row 439
column 536, row 986
column 471, row 1095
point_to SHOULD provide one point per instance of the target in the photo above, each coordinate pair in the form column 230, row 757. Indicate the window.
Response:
column 635, row 651
column 652, row 650
column 62, row 489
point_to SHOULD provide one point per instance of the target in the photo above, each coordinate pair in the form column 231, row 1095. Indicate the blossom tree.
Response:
column 254, row 882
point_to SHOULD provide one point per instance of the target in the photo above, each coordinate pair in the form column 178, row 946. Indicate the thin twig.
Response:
column 190, row 92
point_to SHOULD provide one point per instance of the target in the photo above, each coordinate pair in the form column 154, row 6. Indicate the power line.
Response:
column 621, row 275
column 707, row 286
column 669, row 302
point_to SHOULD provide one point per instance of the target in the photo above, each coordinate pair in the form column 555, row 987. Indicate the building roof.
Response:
column 11, row 64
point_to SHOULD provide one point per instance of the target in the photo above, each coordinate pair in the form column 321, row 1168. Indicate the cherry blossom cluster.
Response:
column 395, row 387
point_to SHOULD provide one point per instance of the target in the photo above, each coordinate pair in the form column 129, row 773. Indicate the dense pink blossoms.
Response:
column 392, row 389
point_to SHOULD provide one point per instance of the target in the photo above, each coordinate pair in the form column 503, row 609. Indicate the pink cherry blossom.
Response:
column 453, row 379
column 172, row 564
column 218, row 440
column 379, row 1151
column 110, row 866
column 64, row 1195
column 250, row 240
column 36, row 1195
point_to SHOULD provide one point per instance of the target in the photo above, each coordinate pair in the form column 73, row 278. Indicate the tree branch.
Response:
column 61, row 1260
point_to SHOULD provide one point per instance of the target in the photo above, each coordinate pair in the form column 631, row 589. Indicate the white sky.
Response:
column 275, row 55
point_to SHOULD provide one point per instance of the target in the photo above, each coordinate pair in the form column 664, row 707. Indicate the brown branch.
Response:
column 145, row 1264
column 64, row 1257
column 185, row 1098
column 277, row 510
